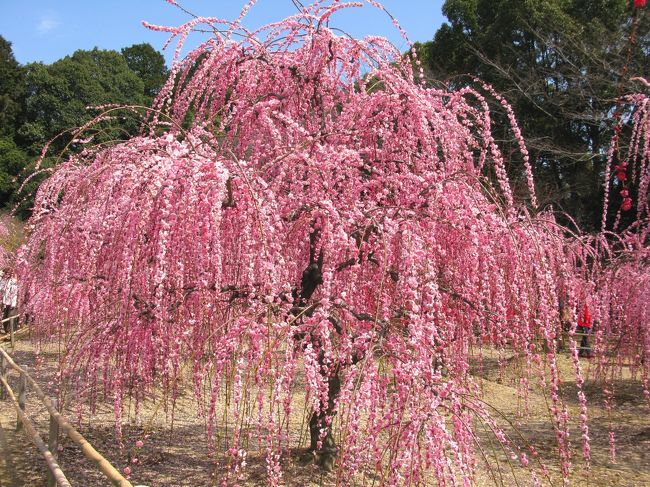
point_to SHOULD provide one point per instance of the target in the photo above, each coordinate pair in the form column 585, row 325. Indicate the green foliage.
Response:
column 21, row 203
column 57, row 96
column 16, row 168
column 12, row 162
column 560, row 64
column 39, row 102
column 11, row 88
column 50, row 101
column 149, row 65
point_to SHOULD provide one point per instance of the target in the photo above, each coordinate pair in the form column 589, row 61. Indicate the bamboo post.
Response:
column 3, row 372
column 53, row 443
column 113, row 475
column 32, row 434
column 22, row 393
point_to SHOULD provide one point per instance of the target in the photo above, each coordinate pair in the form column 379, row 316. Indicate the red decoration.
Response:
column 627, row 204
column 585, row 320
column 620, row 172
column 639, row 3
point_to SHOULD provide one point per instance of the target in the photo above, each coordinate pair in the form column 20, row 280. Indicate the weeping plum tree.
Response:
column 325, row 224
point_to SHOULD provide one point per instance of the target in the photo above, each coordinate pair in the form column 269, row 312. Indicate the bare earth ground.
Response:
column 178, row 457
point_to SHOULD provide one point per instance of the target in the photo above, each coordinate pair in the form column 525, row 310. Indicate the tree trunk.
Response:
column 322, row 421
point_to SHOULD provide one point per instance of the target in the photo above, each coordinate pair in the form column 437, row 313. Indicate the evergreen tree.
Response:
column 11, row 83
column 57, row 96
column 149, row 65
column 562, row 65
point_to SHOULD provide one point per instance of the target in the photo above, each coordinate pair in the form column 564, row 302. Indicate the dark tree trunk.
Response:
column 326, row 455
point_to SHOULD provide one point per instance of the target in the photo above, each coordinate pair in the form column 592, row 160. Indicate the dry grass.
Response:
column 175, row 457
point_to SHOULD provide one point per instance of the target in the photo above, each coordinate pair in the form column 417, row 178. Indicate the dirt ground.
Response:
column 178, row 457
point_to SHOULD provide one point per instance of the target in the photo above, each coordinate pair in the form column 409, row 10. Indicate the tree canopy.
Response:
column 149, row 65
column 39, row 102
column 59, row 95
column 562, row 65
column 11, row 88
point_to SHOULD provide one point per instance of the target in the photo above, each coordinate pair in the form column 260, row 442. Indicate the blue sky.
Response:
column 47, row 30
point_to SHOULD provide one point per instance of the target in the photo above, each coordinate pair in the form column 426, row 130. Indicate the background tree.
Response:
column 12, row 162
column 38, row 102
column 11, row 87
column 149, row 65
column 57, row 96
column 12, row 158
column 561, row 64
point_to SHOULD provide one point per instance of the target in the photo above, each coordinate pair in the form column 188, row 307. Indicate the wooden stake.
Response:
column 53, row 443
column 3, row 372
column 22, row 393
column 31, row 433
column 114, row 476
